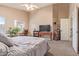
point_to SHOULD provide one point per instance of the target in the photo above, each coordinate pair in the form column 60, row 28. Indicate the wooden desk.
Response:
column 24, row 33
column 40, row 34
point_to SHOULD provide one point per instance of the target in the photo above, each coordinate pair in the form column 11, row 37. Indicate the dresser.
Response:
column 42, row 33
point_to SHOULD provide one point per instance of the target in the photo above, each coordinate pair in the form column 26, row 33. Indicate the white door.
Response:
column 65, row 27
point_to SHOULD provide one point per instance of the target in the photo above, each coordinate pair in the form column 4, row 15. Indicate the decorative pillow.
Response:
column 6, row 40
column 3, row 49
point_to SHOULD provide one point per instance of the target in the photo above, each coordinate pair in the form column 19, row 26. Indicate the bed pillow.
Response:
column 3, row 49
column 4, row 39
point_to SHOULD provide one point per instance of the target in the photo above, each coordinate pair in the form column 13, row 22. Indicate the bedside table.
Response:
column 36, row 33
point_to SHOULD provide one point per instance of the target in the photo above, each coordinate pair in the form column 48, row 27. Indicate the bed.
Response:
column 28, row 46
column 25, row 46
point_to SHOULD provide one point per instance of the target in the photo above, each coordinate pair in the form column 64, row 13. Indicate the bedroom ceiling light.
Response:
column 30, row 7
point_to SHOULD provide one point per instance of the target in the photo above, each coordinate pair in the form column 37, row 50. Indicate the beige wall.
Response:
column 48, row 15
column 11, row 14
column 42, row 16
column 60, row 10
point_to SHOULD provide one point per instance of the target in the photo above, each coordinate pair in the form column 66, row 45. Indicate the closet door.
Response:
column 65, row 27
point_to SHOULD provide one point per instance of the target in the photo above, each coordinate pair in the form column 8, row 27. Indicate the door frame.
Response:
column 78, row 29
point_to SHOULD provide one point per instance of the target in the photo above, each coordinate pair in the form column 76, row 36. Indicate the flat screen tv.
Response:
column 44, row 28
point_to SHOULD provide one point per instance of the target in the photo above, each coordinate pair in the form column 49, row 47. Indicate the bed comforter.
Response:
column 28, row 46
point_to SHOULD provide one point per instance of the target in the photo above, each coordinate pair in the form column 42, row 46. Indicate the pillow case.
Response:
column 6, row 40
column 3, row 49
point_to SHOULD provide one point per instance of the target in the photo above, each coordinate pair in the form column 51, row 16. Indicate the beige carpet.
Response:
column 61, row 48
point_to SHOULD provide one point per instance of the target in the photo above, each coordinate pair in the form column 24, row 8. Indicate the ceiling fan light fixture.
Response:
column 30, row 7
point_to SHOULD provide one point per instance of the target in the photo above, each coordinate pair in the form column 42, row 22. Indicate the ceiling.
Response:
column 19, row 5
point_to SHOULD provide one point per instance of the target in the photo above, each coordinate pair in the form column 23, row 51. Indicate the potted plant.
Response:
column 13, row 31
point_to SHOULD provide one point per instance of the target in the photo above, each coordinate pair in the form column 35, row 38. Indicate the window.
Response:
column 19, row 24
column 2, row 24
column 2, row 20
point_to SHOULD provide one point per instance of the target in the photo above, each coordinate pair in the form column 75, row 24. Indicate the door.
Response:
column 65, row 27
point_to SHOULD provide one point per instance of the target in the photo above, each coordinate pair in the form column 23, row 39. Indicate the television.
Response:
column 44, row 28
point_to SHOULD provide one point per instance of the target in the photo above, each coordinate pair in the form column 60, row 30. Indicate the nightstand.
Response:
column 36, row 33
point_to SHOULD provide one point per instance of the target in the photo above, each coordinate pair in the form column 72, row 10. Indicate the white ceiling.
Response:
column 19, row 5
